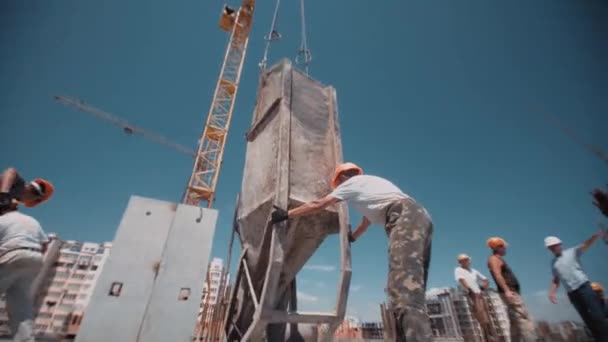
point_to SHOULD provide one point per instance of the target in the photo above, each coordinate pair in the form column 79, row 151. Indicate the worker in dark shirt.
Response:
column 14, row 189
column 522, row 326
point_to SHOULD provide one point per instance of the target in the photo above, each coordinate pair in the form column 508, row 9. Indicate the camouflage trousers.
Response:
column 522, row 326
column 409, row 229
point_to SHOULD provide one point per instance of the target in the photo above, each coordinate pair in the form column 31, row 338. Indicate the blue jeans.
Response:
column 586, row 303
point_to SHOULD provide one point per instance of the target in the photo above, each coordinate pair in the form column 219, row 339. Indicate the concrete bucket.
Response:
column 292, row 151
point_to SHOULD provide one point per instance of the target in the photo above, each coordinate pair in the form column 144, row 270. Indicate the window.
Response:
column 86, row 286
column 94, row 268
column 69, row 256
column 45, row 315
column 60, row 318
column 74, row 287
column 100, row 250
column 61, row 275
column 90, row 276
column 78, row 276
column 69, row 297
column 53, row 294
column 65, row 307
column 41, row 327
column 434, row 308
column 82, row 296
column 57, row 284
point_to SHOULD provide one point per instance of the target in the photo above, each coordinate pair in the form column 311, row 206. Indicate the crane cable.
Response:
column 272, row 35
column 304, row 55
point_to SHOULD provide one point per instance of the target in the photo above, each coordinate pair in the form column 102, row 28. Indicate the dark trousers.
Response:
column 586, row 303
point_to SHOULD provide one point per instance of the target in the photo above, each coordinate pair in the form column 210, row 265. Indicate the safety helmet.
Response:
column 597, row 287
column 463, row 257
column 342, row 168
column 44, row 189
column 552, row 241
column 495, row 242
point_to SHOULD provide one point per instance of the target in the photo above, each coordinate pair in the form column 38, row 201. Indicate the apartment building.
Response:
column 69, row 286
column 443, row 314
column 452, row 319
column 64, row 286
column 211, row 313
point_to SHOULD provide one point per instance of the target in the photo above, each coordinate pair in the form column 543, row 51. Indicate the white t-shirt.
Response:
column 369, row 195
column 20, row 230
column 471, row 278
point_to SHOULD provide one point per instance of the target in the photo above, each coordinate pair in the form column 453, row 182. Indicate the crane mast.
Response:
column 208, row 159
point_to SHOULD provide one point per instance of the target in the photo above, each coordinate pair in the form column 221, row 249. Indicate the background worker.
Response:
column 469, row 279
column 522, row 327
column 22, row 243
column 409, row 229
column 14, row 188
column 599, row 292
column 567, row 270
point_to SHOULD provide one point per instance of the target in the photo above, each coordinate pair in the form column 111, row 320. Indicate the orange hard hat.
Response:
column 44, row 188
column 597, row 287
column 495, row 242
column 341, row 168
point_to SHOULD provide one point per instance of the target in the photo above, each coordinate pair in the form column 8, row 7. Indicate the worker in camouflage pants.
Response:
column 409, row 229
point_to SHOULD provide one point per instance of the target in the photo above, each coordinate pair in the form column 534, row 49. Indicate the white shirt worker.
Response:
column 471, row 277
column 21, row 243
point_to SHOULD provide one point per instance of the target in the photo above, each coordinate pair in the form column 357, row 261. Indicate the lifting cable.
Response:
column 272, row 35
column 304, row 56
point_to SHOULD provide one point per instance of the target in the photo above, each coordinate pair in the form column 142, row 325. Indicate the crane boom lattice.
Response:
column 208, row 160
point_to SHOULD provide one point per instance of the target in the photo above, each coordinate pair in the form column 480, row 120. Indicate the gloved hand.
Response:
column 601, row 200
column 6, row 200
column 278, row 215
column 351, row 238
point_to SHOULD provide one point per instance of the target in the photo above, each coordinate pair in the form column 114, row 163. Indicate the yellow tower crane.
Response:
column 208, row 159
column 208, row 155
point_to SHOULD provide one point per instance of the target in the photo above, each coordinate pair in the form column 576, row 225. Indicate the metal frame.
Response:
column 264, row 302
column 268, row 299
column 208, row 159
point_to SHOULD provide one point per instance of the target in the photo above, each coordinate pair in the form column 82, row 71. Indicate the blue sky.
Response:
column 440, row 97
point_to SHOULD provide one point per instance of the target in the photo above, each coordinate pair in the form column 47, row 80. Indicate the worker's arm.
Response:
column 495, row 269
column 362, row 228
column 585, row 245
column 9, row 176
column 464, row 285
column 312, row 207
column 553, row 290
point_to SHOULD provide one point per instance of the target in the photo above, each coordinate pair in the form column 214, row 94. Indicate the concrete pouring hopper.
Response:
column 293, row 148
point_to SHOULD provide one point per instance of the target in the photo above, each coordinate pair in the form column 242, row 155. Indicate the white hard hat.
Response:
column 552, row 241
column 463, row 256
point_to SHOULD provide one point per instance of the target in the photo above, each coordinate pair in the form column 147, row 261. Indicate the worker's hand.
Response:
column 600, row 200
column 6, row 201
column 351, row 237
column 510, row 296
column 278, row 215
column 553, row 298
